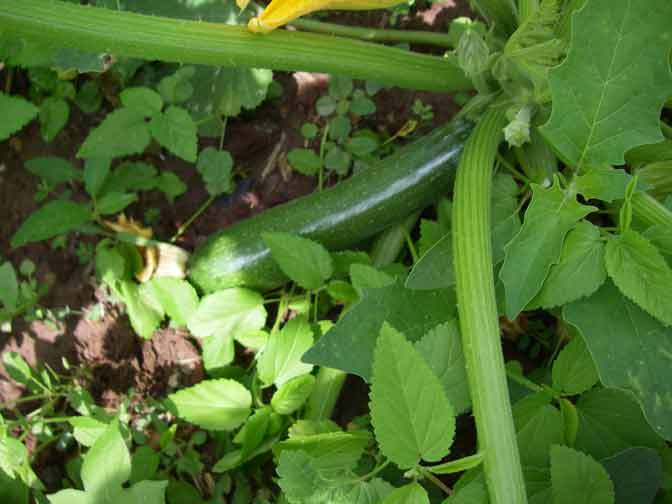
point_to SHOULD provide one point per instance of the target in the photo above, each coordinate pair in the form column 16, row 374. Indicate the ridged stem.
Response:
column 526, row 8
column 375, row 34
column 62, row 24
column 477, row 309
column 650, row 211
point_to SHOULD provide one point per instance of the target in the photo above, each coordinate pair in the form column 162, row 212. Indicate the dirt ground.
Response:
column 115, row 356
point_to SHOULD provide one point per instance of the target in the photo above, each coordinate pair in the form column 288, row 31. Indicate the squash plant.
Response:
column 567, row 90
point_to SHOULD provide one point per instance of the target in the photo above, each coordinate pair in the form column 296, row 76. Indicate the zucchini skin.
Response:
column 338, row 217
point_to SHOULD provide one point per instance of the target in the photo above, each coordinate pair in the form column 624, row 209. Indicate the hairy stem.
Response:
column 477, row 308
column 96, row 29
column 375, row 34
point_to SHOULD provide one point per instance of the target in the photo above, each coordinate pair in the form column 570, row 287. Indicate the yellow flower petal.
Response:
column 281, row 12
column 242, row 4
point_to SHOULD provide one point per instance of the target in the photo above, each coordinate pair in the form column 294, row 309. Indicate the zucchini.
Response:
column 339, row 217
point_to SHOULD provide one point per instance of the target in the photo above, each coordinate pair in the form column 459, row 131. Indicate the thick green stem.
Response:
column 526, row 8
column 374, row 34
column 650, row 211
column 95, row 29
column 477, row 308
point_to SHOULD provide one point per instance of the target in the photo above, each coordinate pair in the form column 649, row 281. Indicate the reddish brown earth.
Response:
column 115, row 356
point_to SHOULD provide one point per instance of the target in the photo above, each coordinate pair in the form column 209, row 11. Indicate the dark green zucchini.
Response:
column 339, row 217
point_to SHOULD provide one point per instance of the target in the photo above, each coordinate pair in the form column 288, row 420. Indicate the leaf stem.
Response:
column 649, row 210
column 182, row 229
column 123, row 33
column 373, row 34
column 437, row 482
column 477, row 308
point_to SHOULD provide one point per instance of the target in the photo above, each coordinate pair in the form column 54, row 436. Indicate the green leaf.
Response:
column 53, row 219
column 362, row 105
column 214, row 404
column 304, row 261
column 337, row 160
column 577, row 478
column 144, row 316
column 89, row 98
column 53, row 170
column 505, row 214
column 114, row 202
column 143, row 100
column 280, row 360
column 580, row 270
column 17, row 112
column 304, row 161
column 231, row 311
column 412, row 493
column 145, row 492
column 610, row 421
column 87, row 430
column 331, row 451
column 364, row 276
column 616, row 73
column 253, row 432
column 171, row 185
column 176, row 88
column 176, row 296
column 434, row 270
column 19, row 370
column 299, row 478
column 573, row 371
column 538, row 426
column 227, row 91
column 637, row 474
column 175, row 130
column 442, row 350
column 107, row 465
column 95, row 173
column 361, row 145
column 54, row 114
column 606, row 184
column 70, row 496
column 122, row 133
column 641, row 273
column 131, row 177
column 325, row 106
column 410, row 412
column 215, row 168
column 530, row 255
column 473, row 492
column 218, row 351
column 9, row 287
column 350, row 344
column 292, row 394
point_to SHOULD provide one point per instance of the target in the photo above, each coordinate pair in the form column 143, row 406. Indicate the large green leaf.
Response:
column 108, row 463
column 413, row 493
column 304, row 261
column 538, row 426
column 16, row 113
column 122, row 133
column 175, row 130
column 434, row 270
column 213, row 404
column 610, row 420
column 578, row 478
column 573, row 370
column 530, row 255
column 641, row 273
column 55, row 218
column 637, row 474
column 631, row 349
column 280, row 360
column 608, row 93
column 410, row 412
column 231, row 311
column 350, row 343
column 580, row 270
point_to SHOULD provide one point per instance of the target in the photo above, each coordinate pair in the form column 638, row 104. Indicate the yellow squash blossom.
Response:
column 281, row 12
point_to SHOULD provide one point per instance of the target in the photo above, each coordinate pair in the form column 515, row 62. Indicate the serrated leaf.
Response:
column 538, row 426
column 131, row 177
column 142, row 99
column 53, row 219
column 304, row 261
column 122, row 133
column 177, row 297
column 214, row 404
column 145, row 492
column 606, row 184
column 637, row 474
column 610, row 421
column 434, row 270
column 616, row 74
column 410, row 412
column 107, row 465
column 215, row 168
column 573, row 371
column 175, row 130
column 577, row 478
column 364, row 277
column 292, row 394
column 227, row 91
column 442, row 350
column 532, row 252
column 639, row 362
column 299, row 479
column 580, row 270
column 280, row 360
column 144, row 317
column 253, row 432
column 53, row 170
column 218, row 351
column 230, row 311
column 17, row 112
column 331, row 451
column 412, row 493
column 171, row 185
column 349, row 345
column 641, row 273
column 54, row 114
